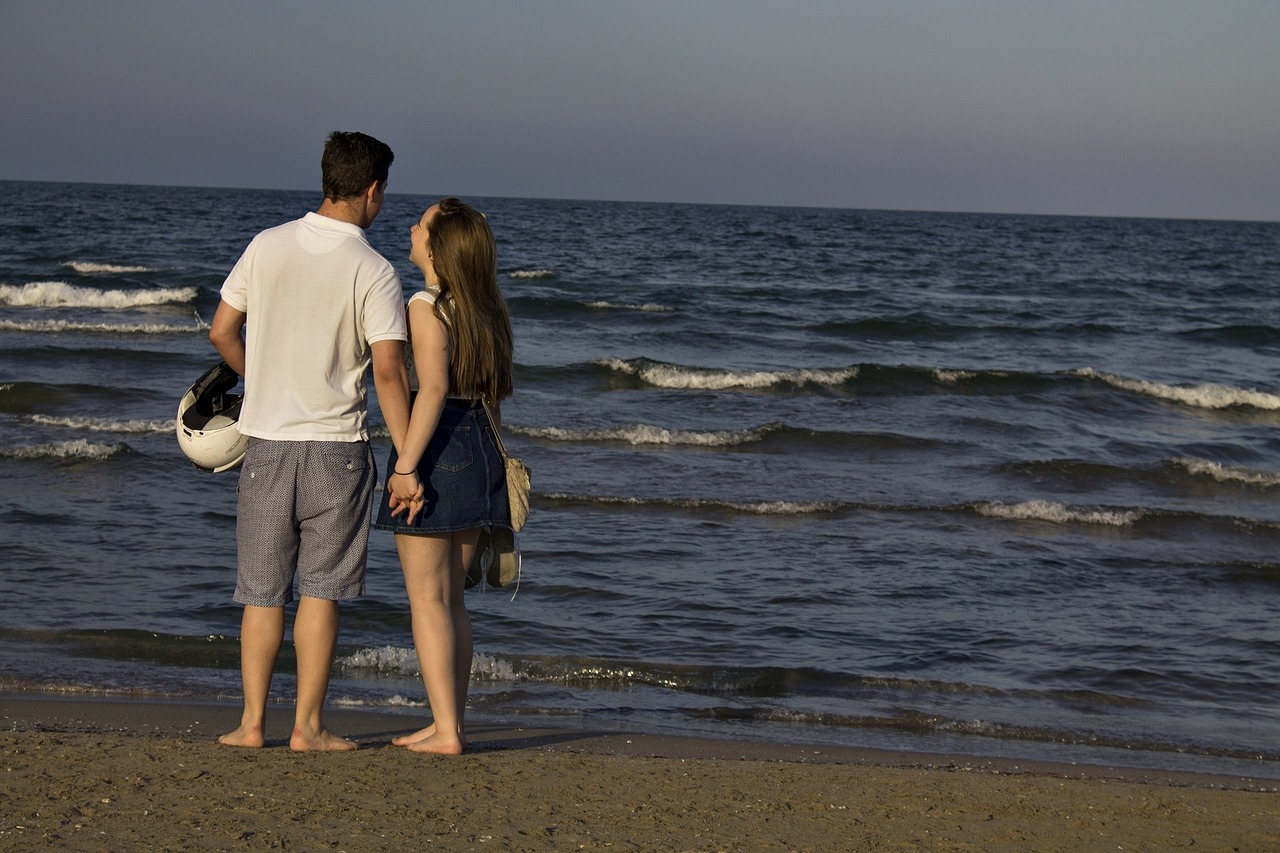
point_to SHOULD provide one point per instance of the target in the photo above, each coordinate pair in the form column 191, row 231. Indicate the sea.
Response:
column 976, row 484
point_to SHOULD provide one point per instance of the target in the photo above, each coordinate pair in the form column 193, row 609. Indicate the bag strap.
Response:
column 502, row 448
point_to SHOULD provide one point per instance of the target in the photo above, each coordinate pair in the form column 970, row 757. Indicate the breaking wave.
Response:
column 648, row 307
column 71, row 450
column 716, row 379
column 1205, row 396
column 108, row 425
column 59, row 294
column 1228, row 474
column 1057, row 513
column 642, row 434
column 91, row 268
column 1033, row 510
column 106, row 328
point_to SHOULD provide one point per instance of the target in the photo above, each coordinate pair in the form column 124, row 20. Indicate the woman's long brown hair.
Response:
column 465, row 257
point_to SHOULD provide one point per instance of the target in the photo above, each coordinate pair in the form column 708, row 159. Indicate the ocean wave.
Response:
column 1205, row 396
column 642, row 434
column 534, row 274
column 1228, row 474
column 398, row 660
column 59, row 294
column 91, row 268
column 1042, row 511
column 1058, row 513
column 599, row 672
column 73, row 450
column 951, row 377
column 716, row 379
column 108, row 425
column 387, row 660
column 648, row 307
column 104, row 328
column 746, row 507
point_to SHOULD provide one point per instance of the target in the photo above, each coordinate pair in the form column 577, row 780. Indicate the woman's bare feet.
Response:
column 250, row 737
column 420, row 734
column 440, row 744
column 426, row 740
column 322, row 741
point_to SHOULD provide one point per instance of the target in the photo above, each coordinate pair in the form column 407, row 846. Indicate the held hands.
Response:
column 406, row 493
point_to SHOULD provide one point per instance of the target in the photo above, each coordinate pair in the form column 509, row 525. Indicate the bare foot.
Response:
column 322, row 741
column 420, row 734
column 250, row 737
column 440, row 744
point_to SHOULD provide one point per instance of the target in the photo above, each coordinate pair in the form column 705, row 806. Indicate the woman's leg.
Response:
column 463, row 548
column 434, row 570
column 425, row 561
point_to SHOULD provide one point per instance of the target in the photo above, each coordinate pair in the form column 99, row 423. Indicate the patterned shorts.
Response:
column 303, row 510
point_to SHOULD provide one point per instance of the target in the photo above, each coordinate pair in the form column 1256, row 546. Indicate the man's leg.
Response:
column 261, row 635
column 315, row 638
column 336, row 483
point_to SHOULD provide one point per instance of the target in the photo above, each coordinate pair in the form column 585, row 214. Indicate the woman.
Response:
column 447, row 481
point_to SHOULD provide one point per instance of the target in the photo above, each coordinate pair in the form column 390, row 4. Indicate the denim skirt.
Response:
column 462, row 472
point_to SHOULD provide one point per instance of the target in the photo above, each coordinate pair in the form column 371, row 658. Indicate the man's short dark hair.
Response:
column 351, row 162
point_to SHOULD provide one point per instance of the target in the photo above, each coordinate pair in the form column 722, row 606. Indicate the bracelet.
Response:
column 404, row 473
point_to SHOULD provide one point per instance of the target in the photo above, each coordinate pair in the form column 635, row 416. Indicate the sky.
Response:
column 1160, row 108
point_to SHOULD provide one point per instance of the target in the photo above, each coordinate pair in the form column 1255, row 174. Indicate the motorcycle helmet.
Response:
column 208, row 417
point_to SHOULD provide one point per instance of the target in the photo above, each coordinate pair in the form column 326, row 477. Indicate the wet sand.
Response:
column 89, row 774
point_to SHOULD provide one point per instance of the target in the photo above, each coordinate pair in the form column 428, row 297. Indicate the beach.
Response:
column 91, row 774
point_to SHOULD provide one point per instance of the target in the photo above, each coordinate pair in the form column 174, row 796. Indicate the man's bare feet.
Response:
column 250, row 737
column 322, row 741
column 439, row 744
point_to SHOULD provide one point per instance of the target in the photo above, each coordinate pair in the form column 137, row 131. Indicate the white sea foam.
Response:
column 643, row 434
column 108, row 328
column 675, row 376
column 1206, row 396
column 953, row 376
column 1058, row 513
column 397, row 660
column 78, row 449
column 1227, row 474
column 108, row 425
column 394, row 701
column 650, row 307
column 531, row 274
column 386, row 659
column 59, row 294
column 90, row 268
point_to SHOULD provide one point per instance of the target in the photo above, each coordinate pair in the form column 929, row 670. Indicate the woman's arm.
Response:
column 430, row 340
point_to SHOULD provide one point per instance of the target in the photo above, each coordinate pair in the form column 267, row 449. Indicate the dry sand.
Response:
column 123, row 776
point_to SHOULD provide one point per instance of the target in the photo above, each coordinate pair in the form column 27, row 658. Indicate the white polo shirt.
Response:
column 316, row 295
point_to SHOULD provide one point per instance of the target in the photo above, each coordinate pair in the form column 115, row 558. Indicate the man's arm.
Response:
column 224, row 334
column 391, row 380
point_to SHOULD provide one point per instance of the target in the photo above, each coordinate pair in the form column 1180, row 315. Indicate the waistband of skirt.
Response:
column 458, row 403
column 463, row 403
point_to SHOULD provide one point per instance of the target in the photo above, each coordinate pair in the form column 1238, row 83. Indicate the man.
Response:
column 306, row 308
